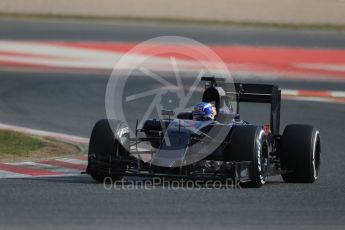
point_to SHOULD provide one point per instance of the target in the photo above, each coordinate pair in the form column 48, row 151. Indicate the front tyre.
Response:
column 103, row 145
column 300, row 154
column 249, row 143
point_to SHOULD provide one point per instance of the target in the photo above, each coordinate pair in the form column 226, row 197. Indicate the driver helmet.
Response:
column 204, row 111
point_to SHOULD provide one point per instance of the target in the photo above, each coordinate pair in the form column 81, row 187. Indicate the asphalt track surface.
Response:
column 72, row 103
column 132, row 32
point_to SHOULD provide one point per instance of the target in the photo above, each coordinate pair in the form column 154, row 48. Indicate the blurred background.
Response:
column 56, row 58
column 56, row 51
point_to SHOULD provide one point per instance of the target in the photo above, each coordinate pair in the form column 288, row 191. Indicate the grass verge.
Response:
column 16, row 146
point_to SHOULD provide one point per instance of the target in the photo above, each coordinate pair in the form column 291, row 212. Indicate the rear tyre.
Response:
column 300, row 154
column 102, row 145
column 249, row 143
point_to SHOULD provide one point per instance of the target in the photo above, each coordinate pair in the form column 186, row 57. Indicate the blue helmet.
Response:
column 204, row 111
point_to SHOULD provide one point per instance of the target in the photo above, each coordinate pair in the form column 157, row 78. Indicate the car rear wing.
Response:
column 255, row 93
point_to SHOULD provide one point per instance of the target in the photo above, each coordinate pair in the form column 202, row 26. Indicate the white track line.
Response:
column 72, row 57
column 72, row 161
column 60, row 136
column 313, row 93
column 289, row 92
column 315, row 99
column 321, row 66
column 52, row 168
column 6, row 174
column 338, row 94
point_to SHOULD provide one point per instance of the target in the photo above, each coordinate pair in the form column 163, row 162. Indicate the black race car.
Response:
column 227, row 147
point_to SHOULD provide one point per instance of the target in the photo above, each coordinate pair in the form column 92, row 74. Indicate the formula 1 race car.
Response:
column 185, row 148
